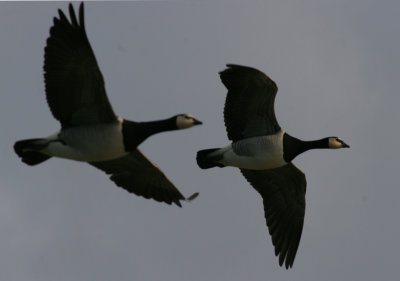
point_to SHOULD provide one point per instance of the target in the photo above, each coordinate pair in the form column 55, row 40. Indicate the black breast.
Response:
column 133, row 134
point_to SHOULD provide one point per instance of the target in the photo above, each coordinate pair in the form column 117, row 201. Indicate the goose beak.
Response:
column 197, row 122
column 345, row 145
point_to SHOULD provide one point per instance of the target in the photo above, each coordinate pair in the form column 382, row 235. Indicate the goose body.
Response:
column 255, row 153
column 90, row 130
column 87, row 143
column 264, row 152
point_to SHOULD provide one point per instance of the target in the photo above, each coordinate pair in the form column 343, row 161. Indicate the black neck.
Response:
column 293, row 146
column 136, row 132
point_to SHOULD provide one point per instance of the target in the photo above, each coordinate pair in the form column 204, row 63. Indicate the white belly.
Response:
column 258, row 153
column 258, row 162
column 89, row 143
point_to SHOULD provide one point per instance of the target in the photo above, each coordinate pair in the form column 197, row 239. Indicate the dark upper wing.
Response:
column 249, row 106
column 137, row 174
column 283, row 191
column 74, row 84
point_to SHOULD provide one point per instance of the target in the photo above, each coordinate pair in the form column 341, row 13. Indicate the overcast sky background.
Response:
column 336, row 64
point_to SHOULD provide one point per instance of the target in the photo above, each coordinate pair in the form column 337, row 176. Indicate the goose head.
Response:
column 335, row 142
column 184, row 121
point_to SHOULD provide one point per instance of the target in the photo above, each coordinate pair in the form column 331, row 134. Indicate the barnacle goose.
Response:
column 90, row 130
column 264, row 152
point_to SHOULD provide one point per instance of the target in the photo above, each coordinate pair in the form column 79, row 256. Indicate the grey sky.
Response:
column 336, row 64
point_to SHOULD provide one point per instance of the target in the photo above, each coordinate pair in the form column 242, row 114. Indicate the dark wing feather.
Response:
column 249, row 106
column 283, row 191
column 75, row 88
column 137, row 174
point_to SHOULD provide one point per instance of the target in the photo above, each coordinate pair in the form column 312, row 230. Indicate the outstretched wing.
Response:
column 249, row 106
column 74, row 84
column 283, row 191
column 137, row 174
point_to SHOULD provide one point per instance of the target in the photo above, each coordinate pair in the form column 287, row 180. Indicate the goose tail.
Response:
column 28, row 151
column 207, row 159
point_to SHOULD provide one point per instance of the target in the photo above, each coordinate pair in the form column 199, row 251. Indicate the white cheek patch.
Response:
column 333, row 143
column 183, row 123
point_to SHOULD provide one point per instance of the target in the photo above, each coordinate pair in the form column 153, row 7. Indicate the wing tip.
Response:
column 234, row 66
column 192, row 197
column 234, row 71
column 177, row 201
column 82, row 15
column 187, row 199
column 73, row 21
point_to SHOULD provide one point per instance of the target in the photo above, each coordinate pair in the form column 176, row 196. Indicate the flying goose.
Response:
column 264, row 152
column 90, row 130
